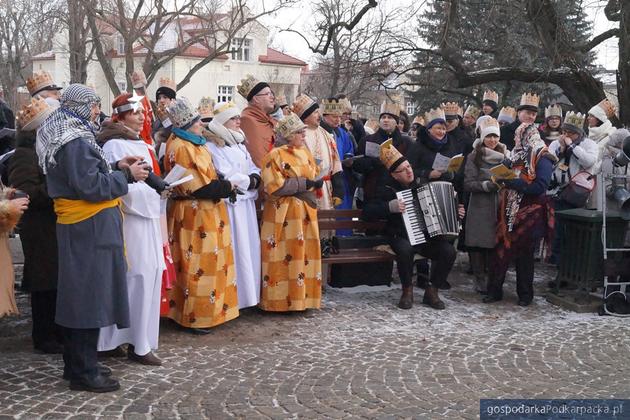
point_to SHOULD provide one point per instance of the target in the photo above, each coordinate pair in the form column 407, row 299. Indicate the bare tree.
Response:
column 80, row 45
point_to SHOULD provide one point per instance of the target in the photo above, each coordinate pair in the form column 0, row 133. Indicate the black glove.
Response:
column 215, row 190
column 314, row 184
column 254, row 181
column 156, row 182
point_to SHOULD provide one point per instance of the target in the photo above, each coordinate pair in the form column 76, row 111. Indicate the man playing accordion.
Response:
column 386, row 206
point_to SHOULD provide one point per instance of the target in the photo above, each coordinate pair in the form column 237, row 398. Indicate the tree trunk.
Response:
column 623, row 69
column 104, row 61
column 77, row 42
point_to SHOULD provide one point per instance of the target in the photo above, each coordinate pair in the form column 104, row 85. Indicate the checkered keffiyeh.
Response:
column 68, row 122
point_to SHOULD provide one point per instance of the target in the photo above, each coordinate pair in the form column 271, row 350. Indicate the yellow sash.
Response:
column 75, row 211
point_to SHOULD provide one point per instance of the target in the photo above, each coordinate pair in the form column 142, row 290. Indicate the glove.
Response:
column 394, row 206
column 314, row 184
column 155, row 182
column 254, row 182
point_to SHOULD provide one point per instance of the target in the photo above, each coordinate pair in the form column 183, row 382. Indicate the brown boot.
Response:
column 406, row 300
column 431, row 298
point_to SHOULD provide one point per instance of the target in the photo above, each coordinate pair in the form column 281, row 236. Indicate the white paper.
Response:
column 440, row 163
column 175, row 173
column 180, row 181
column 372, row 149
column 162, row 151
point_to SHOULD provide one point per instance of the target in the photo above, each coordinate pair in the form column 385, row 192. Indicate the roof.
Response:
column 276, row 57
column 47, row 55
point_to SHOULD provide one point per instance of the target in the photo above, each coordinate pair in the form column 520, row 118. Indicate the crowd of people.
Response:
column 155, row 211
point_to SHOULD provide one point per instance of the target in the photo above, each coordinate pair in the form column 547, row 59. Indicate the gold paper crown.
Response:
column 434, row 114
column 39, row 81
column 289, row 125
column 388, row 107
column 530, row 99
column 301, row 104
column 388, row 154
column 509, row 111
column 332, row 107
column 161, row 113
column 32, row 115
column 372, row 124
column 418, row 120
column 281, row 100
column 346, row 105
column 247, row 85
column 488, row 122
column 473, row 111
column 168, row 83
column 206, row 107
column 491, row 95
column 575, row 119
column 181, row 112
column 450, row 108
column 554, row 110
column 608, row 108
column 138, row 79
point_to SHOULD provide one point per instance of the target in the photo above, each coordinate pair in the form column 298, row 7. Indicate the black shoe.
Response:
column 102, row 370
column 97, row 384
column 524, row 302
column 444, row 286
column 50, row 347
column 491, row 299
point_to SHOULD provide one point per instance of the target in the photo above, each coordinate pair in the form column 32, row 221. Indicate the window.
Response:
column 225, row 94
column 241, row 49
column 411, row 108
column 120, row 45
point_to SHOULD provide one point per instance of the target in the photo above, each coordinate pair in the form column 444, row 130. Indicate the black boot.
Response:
column 432, row 299
column 97, row 384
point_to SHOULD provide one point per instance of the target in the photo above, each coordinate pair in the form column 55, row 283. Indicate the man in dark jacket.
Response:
column 385, row 205
column 526, row 113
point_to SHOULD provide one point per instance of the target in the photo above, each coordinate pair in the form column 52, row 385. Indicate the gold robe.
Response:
column 205, row 293
column 291, row 256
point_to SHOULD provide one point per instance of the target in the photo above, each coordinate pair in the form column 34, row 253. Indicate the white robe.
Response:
column 145, row 257
column 235, row 164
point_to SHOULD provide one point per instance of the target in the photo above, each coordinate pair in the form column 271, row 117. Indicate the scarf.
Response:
column 188, row 136
column 68, row 122
column 231, row 137
column 597, row 134
column 437, row 143
column 490, row 157
column 527, row 150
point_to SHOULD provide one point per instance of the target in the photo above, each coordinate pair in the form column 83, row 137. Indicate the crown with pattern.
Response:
column 554, row 110
column 418, row 120
column 40, row 81
column 289, row 125
column 434, row 114
column 529, row 101
column 450, row 109
column 574, row 121
column 346, row 105
column 491, row 95
column 302, row 104
column 507, row 112
column 181, row 113
column 473, row 111
column 389, row 107
column 332, row 106
column 138, row 79
column 390, row 156
column 167, row 83
column 608, row 108
column 206, row 107
column 248, row 84
column 32, row 115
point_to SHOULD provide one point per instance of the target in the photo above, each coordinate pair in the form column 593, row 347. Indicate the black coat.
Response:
column 371, row 168
column 377, row 207
column 424, row 150
column 465, row 140
column 507, row 134
column 37, row 226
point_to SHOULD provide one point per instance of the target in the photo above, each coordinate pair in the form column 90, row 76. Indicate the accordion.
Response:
column 430, row 211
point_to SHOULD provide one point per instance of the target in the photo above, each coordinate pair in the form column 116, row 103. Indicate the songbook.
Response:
column 177, row 176
column 503, row 172
column 443, row 163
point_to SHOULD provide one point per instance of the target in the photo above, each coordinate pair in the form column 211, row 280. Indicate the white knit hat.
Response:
column 223, row 111
column 489, row 126
column 598, row 113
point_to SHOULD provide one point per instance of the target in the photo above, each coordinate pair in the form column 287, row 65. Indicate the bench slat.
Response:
column 350, row 256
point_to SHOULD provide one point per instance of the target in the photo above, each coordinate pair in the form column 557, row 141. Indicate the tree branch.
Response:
column 599, row 39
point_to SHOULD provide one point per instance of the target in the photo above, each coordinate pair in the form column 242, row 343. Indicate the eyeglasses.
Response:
column 266, row 94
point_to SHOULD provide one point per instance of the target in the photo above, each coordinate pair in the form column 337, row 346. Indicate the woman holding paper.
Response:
column 143, row 236
column 481, row 220
column 291, row 254
column 226, row 143
column 205, row 294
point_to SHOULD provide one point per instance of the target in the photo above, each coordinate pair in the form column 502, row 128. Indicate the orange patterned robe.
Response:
column 199, row 233
column 291, row 256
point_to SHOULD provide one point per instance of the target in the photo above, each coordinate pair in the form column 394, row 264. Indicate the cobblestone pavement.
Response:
column 358, row 357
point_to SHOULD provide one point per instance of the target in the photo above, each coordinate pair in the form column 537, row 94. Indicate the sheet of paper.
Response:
column 180, row 181
column 177, row 172
column 502, row 172
column 440, row 163
column 372, row 149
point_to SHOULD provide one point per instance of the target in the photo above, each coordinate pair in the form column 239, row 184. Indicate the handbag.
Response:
column 578, row 190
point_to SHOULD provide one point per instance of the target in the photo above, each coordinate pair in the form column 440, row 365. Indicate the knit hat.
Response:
column 182, row 114
column 390, row 156
column 167, row 87
column 304, row 106
column 434, row 116
column 250, row 86
column 574, row 122
column 489, row 126
column 507, row 115
column 529, row 101
column 603, row 111
column 223, row 111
